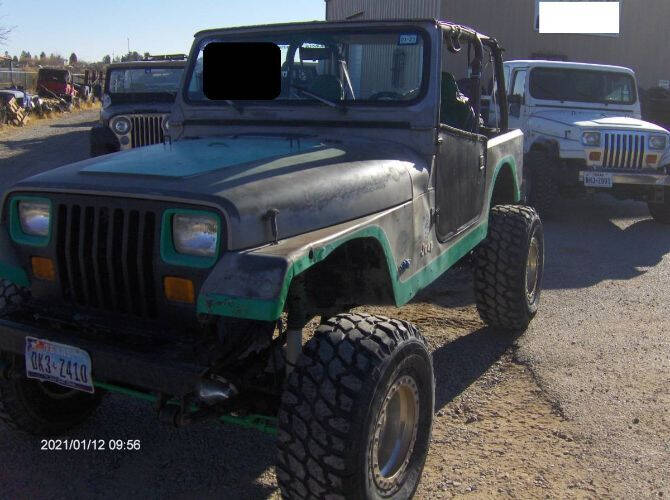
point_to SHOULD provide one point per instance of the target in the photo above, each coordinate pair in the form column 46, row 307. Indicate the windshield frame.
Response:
column 634, row 97
column 174, row 92
column 199, row 45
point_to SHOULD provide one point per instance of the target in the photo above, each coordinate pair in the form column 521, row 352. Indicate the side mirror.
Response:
column 514, row 102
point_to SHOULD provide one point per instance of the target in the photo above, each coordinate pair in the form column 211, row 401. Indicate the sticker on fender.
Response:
column 598, row 179
column 58, row 363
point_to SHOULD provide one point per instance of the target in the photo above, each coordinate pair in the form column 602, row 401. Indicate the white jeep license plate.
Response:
column 598, row 179
column 58, row 363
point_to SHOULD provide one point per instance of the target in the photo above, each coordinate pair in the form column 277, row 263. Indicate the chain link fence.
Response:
column 25, row 79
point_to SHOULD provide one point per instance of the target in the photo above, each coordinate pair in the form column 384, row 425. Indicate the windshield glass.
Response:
column 339, row 66
column 582, row 86
column 150, row 80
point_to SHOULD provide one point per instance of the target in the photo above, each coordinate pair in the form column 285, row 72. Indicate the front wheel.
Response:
column 661, row 211
column 509, row 266
column 356, row 415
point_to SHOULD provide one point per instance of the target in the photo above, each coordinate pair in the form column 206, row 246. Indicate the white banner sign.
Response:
column 597, row 18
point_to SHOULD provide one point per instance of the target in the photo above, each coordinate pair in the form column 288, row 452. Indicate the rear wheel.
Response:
column 356, row 415
column 661, row 211
column 508, row 268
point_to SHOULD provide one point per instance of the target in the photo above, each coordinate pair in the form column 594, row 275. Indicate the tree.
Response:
column 25, row 56
column 5, row 31
column 147, row 55
column 15, row 59
column 106, row 59
column 73, row 59
column 43, row 56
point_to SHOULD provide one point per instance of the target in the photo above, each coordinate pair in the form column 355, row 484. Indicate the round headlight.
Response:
column 121, row 126
column 195, row 234
column 658, row 141
column 591, row 139
column 34, row 217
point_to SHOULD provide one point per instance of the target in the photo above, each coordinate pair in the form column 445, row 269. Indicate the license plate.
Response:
column 598, row 179
column 58, row 363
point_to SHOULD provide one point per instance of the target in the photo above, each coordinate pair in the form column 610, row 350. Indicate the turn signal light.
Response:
column 179, row 290
column 594, row 156
column 652, row 159
column 43, row 268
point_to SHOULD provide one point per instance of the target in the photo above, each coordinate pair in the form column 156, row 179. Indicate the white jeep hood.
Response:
column 593, row 119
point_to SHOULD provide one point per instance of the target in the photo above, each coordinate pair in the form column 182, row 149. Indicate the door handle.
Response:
column 482, row 162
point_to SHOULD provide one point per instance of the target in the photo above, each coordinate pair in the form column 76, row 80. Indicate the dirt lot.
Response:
column 577, row 407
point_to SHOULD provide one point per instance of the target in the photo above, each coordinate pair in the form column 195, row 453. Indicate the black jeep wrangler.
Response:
column 137, row 99
column 185, row 272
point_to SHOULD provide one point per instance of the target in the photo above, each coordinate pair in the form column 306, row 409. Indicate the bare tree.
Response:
column 5, row 31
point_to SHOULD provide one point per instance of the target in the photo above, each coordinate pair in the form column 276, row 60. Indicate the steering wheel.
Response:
column 387, row 96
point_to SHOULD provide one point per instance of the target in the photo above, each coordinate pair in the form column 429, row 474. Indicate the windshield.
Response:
column 150, row 80
column 339, row 66
column 582, row 86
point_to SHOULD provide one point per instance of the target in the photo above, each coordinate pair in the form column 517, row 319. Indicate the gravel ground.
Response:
column 578, row 407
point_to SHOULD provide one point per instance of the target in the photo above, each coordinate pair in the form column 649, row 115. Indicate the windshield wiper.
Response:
column 328, row 102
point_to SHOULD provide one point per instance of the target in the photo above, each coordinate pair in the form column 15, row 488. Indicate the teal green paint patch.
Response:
column 198, row 156
column 15, row 229
column 270, row 310
column 14, row 274
column 168, row 251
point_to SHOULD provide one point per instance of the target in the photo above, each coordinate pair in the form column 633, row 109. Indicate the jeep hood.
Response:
column 313, row 182
column 596, row 119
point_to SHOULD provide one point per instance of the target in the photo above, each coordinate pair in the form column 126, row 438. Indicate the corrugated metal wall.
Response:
column 381, row 9
column 642, row 45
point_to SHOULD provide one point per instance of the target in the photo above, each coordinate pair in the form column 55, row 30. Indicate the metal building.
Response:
column 641, row 45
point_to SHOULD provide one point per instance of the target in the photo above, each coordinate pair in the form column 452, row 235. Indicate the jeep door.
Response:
column 460, row 180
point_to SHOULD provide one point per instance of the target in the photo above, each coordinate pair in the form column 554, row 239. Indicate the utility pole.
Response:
column 128, row 45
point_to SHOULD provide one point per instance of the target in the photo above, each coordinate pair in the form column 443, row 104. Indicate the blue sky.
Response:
column 156, row 26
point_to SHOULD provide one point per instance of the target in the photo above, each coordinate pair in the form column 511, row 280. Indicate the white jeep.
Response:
column 584, row 132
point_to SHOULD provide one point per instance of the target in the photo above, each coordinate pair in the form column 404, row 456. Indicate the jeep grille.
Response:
column 624, row 151
column 105, row 257
column 146, row 130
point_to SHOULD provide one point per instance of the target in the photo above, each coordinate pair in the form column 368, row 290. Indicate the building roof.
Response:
column 568, row 64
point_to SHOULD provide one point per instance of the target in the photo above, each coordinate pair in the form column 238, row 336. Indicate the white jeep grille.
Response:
column 624, row 151
column 146, row 130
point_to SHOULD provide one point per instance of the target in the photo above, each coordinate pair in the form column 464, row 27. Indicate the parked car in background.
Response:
column 137, row 99
column 584, row 132
column 55, row 82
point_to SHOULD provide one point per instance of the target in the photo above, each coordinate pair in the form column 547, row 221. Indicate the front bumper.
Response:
column 157, row 369
column 636, row 179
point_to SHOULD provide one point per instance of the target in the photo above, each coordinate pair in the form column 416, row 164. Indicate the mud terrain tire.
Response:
column 543, row 191
column 508, row 268
column 334, row 437
column 661, row 211
column 34, row 407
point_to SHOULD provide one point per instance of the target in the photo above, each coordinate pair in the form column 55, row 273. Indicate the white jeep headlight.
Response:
column 591, row 139
column 35, row 217
column 658, row 141
column 195, row 234
column 121, row 125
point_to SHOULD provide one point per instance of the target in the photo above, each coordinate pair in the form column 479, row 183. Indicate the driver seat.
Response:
column 327, row 86
column 455, row 109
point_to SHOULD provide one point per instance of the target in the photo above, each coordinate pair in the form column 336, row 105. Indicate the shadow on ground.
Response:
column 597, row 239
